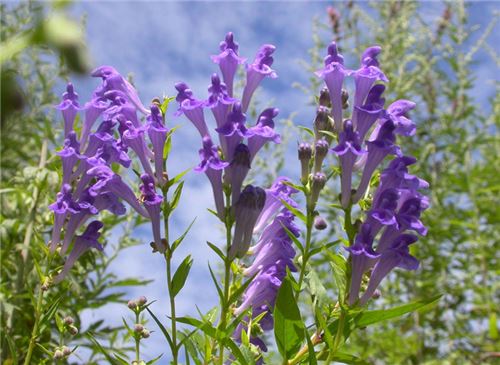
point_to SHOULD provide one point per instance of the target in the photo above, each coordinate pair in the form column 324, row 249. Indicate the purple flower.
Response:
column 364, row 116
column 134, row 138
column 397, row 255
column 334, row 73
column 262, row 290
column 397, row 113
column 280, row 191
column 84, row 242
column 86, row 209
column 263, row 131
column 152, row 203
column 257, row 71
column 112, row 80
column 192, row 108
column 238, row 170
column 348, row 150
column 120, row 109
column 108, row 181
column 212, row 166
column 103, row 135
column 93, row 109
column 157, row 133
column 365, row 76
column 69, row 107
column 378, row 149
column 383, row 211
column 233, row 131
column 228, row 61
column 219, row 100
column 64, row 204
column 246, row 210
column 362, row 259
column 70, row 155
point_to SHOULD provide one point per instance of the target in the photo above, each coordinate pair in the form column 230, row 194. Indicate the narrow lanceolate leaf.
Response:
column 176, row 196
column 288, row 326
column 179, row 240
column 370, row 317
column 295, row 211
column 181, row 275
column 162, row 328
column 343, row 358
column 111, row 360
column 311, row 354
column 339, row 268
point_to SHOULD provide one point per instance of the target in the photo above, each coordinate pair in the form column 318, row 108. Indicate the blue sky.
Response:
column 161, row 43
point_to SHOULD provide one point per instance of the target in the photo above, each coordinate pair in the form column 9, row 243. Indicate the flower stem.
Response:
column 34, row 333
column 137, row 341
column 168, row 260
column 227, row 275
column 307, row 248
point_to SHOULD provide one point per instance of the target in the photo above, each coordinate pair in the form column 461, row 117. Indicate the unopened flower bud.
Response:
column 318, row 183
column 66, row 351
column 376, row 294
column 324, row 98
column 320, row 223
column 142, row 300
column 145, row 333
column 321, row 122
column 58, row 355
column 345, row 96
column 305, row 154
column 132, row 304
column 138, row 328
column 68, row 320
column 73, row 330
column 320, row 152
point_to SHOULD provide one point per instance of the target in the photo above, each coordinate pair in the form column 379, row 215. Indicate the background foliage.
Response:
column 457, row 144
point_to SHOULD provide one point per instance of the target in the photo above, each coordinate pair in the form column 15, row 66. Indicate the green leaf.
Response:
column 102, row 350
column 370, row 317
column 307, row 130
column 238, row 292
column 179, row 240
column 339, row 268
column 165, row 103
column 288, row 326
column 344, row 358
column 216, row 282
column 217, row 250
column 316, row 288
column 162, row 328
column 176, row 197
column 181, row 275
column 152, row 361
column 177, row 178
column 311, row 357
column 295, row 211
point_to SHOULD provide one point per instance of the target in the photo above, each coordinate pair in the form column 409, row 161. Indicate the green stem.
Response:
column 168, row 260
column 137, row 341
column 227, row 275
column 34, row 333
column 305, row 257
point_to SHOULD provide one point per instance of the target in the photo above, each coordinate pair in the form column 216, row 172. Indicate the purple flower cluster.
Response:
column 90, row 184
column 273, row 253
column 397, row 204
column 229, row 163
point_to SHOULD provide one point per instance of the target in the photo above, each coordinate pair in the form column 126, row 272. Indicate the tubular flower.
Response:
column 263, row 131
column 334, row 73
column 228, row 61
column 212, row 166
column 70, row 155
column 233, row 131
column 238, row 170
column 367, row 74
column 134, row 138
column 348, row 150
column 69, row 107
column 157, row 133
column 84, row 242
column 192, row 108
column 257, row 71
column 152, row 203
column 64, row 204
column 112, row 80
column 364, row 116
column 247, row 209
column 219, row 100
